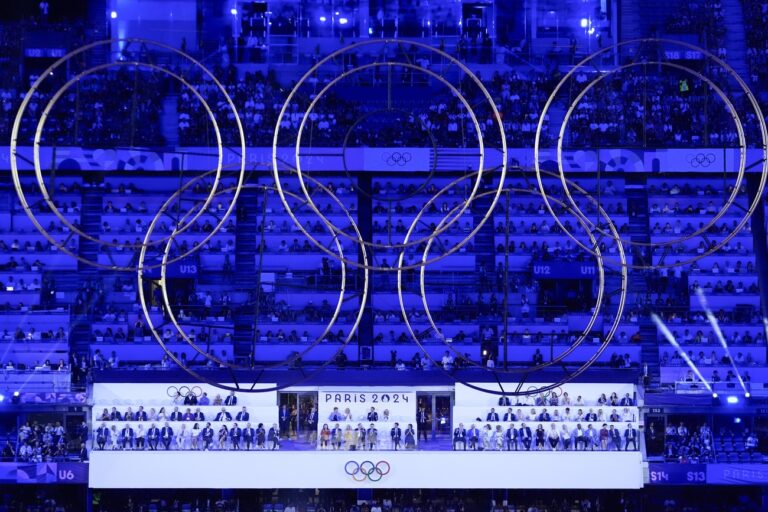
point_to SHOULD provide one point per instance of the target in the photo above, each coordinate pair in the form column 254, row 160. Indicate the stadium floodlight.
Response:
column 714, row 395
column 343, row 21
column 737, row 420
column 16, row 397
column 672, row 341
column 719, row 333
column 113, row 15
column 584, row 22
column 233, row 11
column 323, row 19
column 747, row 394
column 732, row 399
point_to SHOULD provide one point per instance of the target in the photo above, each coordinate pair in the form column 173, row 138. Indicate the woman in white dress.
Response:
column 347, row 414
column 487, row 434
column 498, row 439
column 195, row 436
column 181, row 437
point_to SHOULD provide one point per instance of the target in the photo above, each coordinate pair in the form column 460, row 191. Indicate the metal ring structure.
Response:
column 172, row 391
column 525, row 371
column 737, row 122
column 739, row 126
column 62, row 90
column 216, row 360
column 197, row 391
column 434, row 75
column 230, row 366
column 562, row 355
column 38, row 134
column 293, row 93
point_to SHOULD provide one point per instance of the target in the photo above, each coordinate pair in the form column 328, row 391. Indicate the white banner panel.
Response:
column 353, row 406
column 396, row 470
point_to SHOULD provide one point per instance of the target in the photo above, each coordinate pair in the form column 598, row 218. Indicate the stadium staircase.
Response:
column 81, row 332
column 735, row 37
column 485, row 258
column 246, row 280
column 169, row 124
column 639, row 231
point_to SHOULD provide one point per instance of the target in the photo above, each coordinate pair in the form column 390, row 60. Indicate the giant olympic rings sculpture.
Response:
column 283, row 171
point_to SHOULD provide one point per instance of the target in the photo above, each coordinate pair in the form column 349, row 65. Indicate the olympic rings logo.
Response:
column 701, row 159
column 398, row 158
column 367, row 470
column 183, row 391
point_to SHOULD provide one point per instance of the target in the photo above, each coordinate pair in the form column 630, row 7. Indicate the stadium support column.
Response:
column 759, row 242
column 365, row 345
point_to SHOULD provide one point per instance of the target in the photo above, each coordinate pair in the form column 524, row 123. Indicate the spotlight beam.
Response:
column 719, row 333
column 672, row 341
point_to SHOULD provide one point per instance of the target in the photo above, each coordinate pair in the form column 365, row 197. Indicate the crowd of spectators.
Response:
column 756, row 17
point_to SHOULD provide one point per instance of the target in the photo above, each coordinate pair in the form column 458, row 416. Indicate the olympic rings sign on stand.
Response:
column 183, row 391
column 398, row 158
column 367, row 470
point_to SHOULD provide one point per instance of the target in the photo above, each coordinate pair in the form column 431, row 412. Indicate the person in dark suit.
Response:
column 223, row 415
column 630, row 436
column 615, row 437
column 273, row 436
column 153, row 435
column 261, row 435
column 473, row 435
column 492, row 416
column 188, row 416
column 504, row 401
column 460, row 437
column 243, row 415
column 235, row 434
column 545, row 416
column 176, row 415
column 190, row 399
column 102, row 436
column 198, row 416
column 83, row 455
column 337, row 437
column 422, row 422
column 311, row 422
column 231, row 399
column 510, row 437
column 373, row 415
column 249, row 435
column 590, row 416
column 166, row 435
column 127, row 436
column 207, row 436
column 526, row 436
column 627, row 401
column 284, row 417
column 115, row 415
column 509, row 415
column 396, row 434
column 141, row 414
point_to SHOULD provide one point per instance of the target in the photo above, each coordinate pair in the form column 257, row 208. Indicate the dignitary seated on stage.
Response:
column 566, row 437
